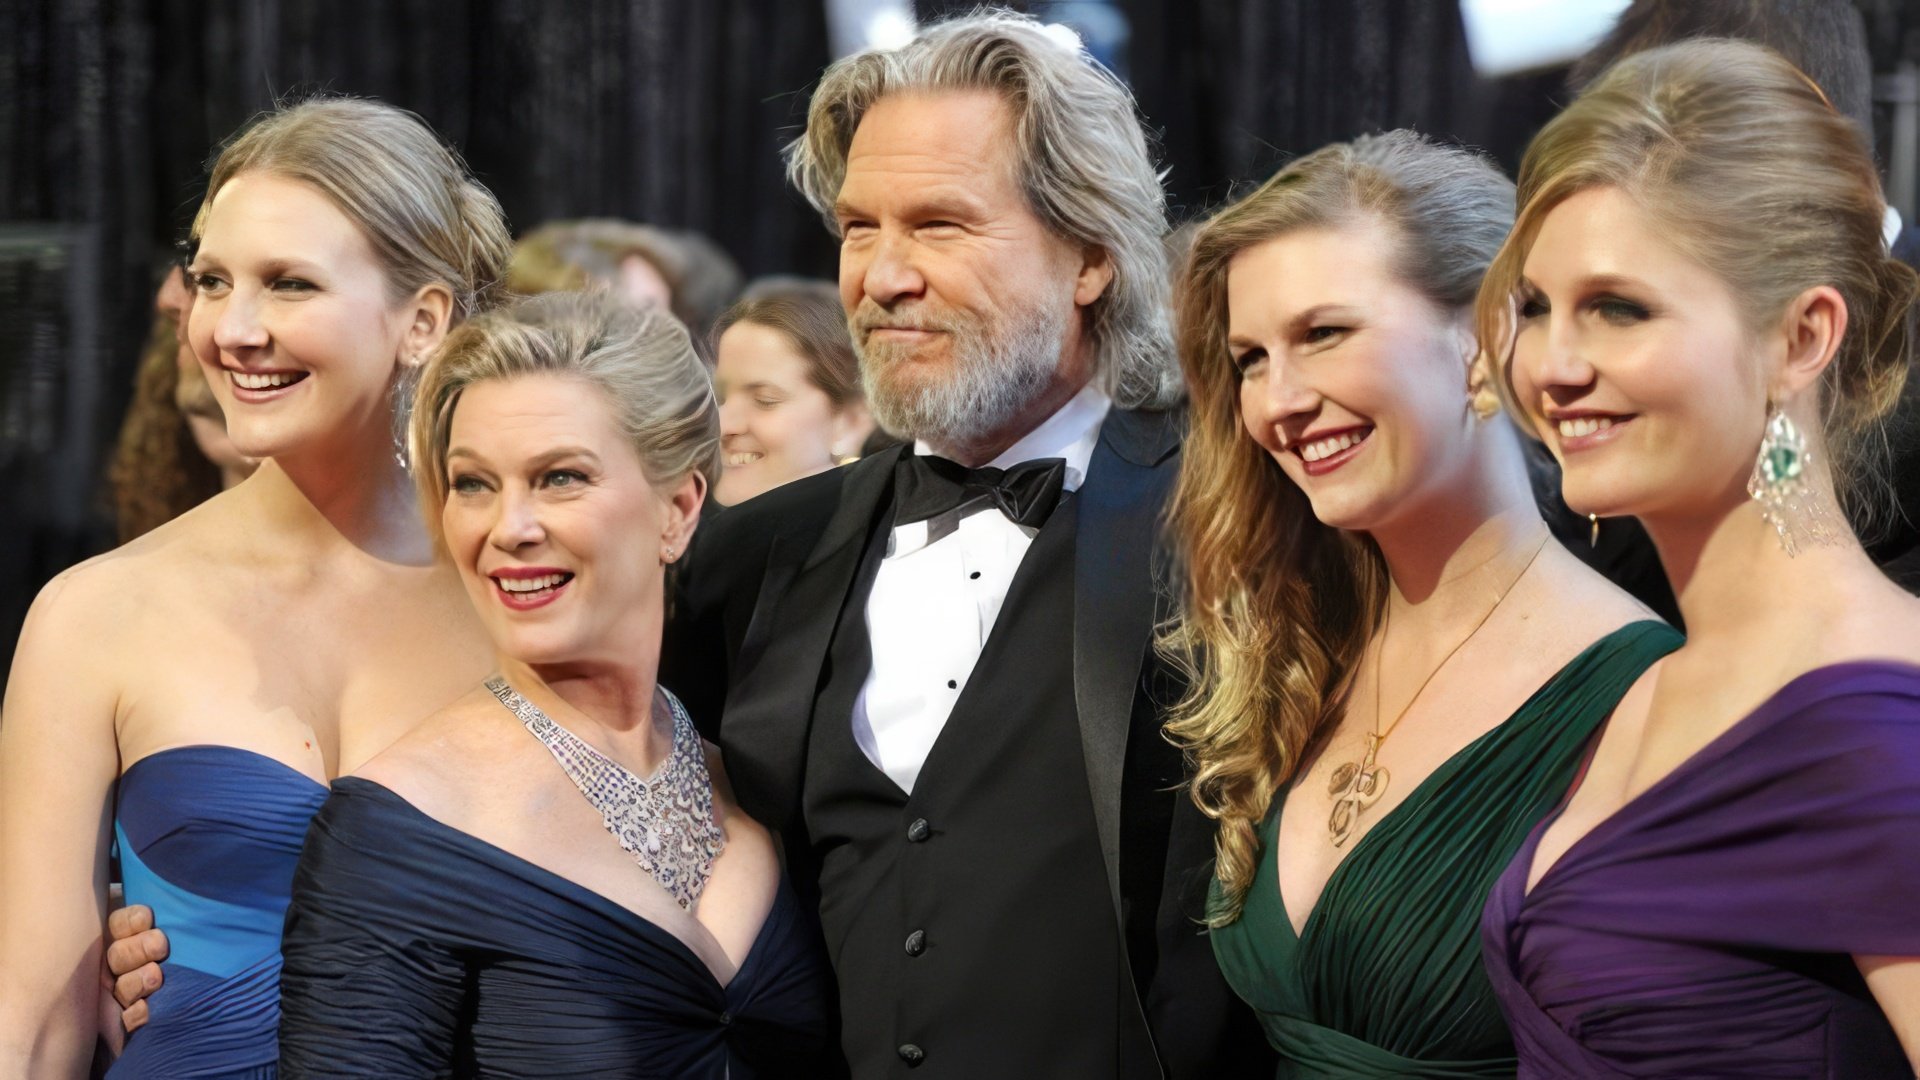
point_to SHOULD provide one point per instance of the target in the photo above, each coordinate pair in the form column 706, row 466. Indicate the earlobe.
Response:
column 1814, row 325
column 1096, row 273
column 432, row 318
column 1483, row 393
column 685, row 503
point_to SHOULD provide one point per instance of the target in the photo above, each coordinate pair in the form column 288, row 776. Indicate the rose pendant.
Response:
column 1355, row 787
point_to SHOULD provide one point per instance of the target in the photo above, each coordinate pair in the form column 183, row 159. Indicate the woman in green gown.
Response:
column 1394, row 667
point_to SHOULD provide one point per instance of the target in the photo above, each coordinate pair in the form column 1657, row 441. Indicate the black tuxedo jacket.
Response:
column 752, row 614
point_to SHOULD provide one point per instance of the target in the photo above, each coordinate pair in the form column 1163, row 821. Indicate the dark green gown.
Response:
column 1385, row 980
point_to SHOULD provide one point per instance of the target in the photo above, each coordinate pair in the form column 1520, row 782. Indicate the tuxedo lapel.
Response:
column 783, row 650
column 1128, row 482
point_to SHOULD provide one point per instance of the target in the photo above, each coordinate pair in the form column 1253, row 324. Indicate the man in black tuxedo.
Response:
column 932, row 671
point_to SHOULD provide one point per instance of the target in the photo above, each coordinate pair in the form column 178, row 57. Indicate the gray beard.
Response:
column 993, row 378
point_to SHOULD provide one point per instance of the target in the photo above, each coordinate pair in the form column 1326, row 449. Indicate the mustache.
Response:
column 870, row 317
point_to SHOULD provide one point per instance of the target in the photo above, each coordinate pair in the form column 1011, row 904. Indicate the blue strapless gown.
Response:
column 208, row 837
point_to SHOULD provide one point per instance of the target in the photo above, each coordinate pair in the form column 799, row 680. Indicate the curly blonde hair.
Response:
column 1278, row 607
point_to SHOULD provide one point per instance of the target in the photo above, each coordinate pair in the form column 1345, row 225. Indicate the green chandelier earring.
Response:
column 1782, row 485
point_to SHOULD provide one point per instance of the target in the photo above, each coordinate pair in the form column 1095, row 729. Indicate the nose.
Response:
column 1288, row 396
column 237, row 327
column 1554, row 358
column 888, row 271
column 516, row 522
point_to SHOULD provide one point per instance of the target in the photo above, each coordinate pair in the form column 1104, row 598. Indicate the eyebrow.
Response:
column 1593, row 283
column 1294, row 324
column 956, row 204
column 539, row 462
column 278, row 267
column 275, row 267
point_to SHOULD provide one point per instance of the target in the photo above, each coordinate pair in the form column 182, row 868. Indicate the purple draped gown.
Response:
column 1707, row 928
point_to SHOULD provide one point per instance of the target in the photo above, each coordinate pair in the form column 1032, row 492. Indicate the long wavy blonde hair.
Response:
column 1279, row 607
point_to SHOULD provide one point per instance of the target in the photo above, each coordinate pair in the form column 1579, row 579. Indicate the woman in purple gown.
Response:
column 1706, row 327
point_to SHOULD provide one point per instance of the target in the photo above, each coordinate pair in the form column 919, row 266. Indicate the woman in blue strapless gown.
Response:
column 208, row 837
column 185, row 698
column 460, row 908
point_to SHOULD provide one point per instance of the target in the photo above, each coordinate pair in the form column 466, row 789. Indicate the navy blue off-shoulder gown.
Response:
column 414, row 949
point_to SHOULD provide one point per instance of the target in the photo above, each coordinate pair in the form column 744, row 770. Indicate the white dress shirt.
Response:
column 933, row 603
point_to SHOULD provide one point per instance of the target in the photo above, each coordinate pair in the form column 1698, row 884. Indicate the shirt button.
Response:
column 912, row 1054
column 916, row 943
column 975, row 575
column 726, row 1018
column 953, row 684
column 919, row 830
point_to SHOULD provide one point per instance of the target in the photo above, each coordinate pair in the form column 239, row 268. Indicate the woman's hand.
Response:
column 135, row 948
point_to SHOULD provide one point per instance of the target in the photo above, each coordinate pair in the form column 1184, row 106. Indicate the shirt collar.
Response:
column 1071, row 433
column 1890, row 226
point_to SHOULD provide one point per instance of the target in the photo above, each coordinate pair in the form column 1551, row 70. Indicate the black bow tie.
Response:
column 925, row 487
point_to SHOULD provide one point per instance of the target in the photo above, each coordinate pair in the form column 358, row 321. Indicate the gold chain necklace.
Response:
column 1357, row 785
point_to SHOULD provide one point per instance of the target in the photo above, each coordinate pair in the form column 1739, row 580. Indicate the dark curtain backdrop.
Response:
column 666, row 111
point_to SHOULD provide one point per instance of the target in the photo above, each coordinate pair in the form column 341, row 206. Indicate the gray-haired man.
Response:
column 932, row 672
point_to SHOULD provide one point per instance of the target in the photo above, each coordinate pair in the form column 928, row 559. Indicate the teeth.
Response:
column 1320, row 449
column 1585, row 425
column 532, row 584
column 743, row 459
column 249, row 381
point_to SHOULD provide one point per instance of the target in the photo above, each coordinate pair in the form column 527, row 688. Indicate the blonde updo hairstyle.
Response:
column 1278, row 607
column 640, row 359
column 1740, row 161
column 428, row 220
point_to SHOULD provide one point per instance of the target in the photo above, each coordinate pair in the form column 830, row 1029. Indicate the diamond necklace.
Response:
column 1357, row 785
column 665, row 821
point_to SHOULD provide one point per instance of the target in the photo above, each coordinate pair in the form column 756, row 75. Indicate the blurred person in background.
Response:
column 173, row 452
column 791, row 403
column 682, row 270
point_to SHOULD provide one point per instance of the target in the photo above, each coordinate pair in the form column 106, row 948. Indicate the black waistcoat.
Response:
column 936, row 905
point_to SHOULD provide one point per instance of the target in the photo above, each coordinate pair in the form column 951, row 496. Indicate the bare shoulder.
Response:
column 1883, row 622
column 1569, row 606
column 152, row 573
column 78, row 622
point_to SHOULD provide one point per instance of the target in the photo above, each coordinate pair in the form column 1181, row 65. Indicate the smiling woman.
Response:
column 187, row 697
column 463, row 884
column 1706, row 328
column 1348, row 475
column 789, row 388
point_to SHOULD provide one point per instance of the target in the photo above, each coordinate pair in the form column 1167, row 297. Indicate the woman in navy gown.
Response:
column 1707, row 327
column 186, row 697
column 460, row 907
